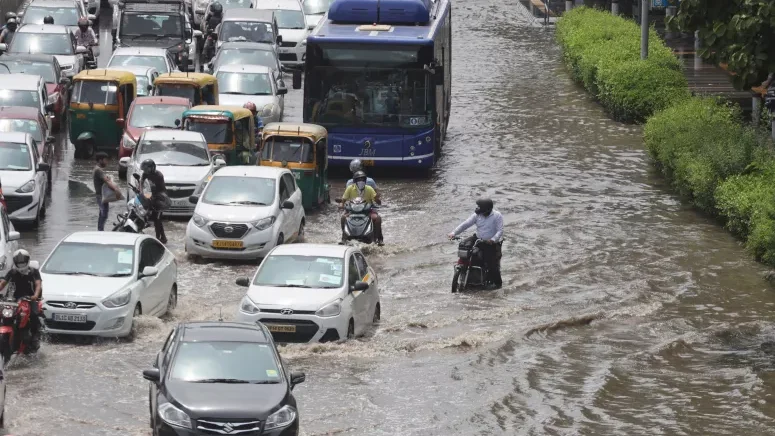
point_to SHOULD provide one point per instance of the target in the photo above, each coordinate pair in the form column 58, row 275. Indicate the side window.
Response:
column 353, row 275
column 284, row 193
column 362, row 265
column 168, row 341
column 157, row 252
column 290, row 184
column 35, row 154
column 145, row 255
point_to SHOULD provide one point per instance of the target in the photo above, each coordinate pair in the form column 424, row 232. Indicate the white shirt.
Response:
column 487, row 227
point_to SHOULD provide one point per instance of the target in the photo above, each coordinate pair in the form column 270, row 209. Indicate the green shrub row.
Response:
column 603, row 54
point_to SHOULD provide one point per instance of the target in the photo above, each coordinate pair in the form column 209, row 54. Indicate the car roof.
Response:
column 16, row 137
column 173, row 134
column 211, row 331
column 107, row 238
column 43, row 28
column 140, row 51
column 324, row 250
column 250, row 171
column 156, row 99
column 292, row 5
column 248, row 14
column 20, row 82
column 19, row 112
column 236, row 68
column 243, row 44
column 28, row 57
column 134, row 69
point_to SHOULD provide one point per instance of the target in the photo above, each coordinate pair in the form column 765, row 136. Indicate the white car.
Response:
column 244, row 212
column 293, row 30
column 9, row 238
column 27, row 90
column 184, row 159
column 24, row 176
column 145, row 76
column 312, row 293
column 315, row 10
column 150, row 57
column 97, row 282
column 51, row 39
column 239, row 84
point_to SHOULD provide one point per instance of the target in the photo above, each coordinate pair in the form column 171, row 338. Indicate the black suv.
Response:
column 160, row 24
column 221, row 378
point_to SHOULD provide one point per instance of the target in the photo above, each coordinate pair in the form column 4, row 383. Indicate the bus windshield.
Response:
column 373, row 86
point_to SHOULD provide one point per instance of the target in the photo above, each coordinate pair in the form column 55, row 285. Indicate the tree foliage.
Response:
column 736, row 32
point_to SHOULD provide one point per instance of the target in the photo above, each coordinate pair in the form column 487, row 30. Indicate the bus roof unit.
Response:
column 381, row 11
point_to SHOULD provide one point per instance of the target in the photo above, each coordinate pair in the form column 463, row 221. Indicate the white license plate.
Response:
column 69, row 318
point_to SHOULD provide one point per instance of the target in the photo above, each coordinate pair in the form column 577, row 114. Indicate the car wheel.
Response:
column 172, row 303
column 377, row 314
column 300, row 235
column 133, row 330
column 351, row 329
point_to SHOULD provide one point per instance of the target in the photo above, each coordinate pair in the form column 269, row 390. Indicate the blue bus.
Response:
column 378, row 77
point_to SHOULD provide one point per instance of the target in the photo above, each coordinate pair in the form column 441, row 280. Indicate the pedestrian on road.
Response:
column 101, row 179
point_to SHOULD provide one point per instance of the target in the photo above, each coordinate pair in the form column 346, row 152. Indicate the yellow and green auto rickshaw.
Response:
column 301, row 148
column 99, row 105
column 229, row 131
column 199, row 88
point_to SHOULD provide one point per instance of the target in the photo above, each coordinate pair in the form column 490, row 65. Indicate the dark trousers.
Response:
column 158, row 205
column 490, row 254
column 103, row 216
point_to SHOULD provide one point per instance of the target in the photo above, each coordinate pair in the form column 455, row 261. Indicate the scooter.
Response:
column 358, row 225
column 470, row 269
column 15, row 331
column 135, row 219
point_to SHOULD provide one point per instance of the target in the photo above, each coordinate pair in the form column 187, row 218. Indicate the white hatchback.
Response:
column 312, row 293
column 244, row 212
column 95, row 283
column 24, row 176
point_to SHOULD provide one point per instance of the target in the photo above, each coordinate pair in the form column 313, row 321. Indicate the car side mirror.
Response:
column 152, row 375
column 198, row 34
column 136, row 176
column 149, row 88
column 297, row 378
column 50, row 107
column 218, row 161
column 125, row 160
column 279, row 39
column 359, row 286
column 193, row 199
column 243, row 281
column 44, row 167
column 287, row 204
column 188, row 33
column 310, row 27
column 50, row 139
column 3, row 47
column 177, row 123
column 14, row 236
column 281, row 90
column 120, row 122
column 81, row 50
column 64, row 81
column 149, row 271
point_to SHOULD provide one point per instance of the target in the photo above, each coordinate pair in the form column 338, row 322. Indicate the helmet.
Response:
column 21, row 261
column 10, row 15
column 216, row 8
column 251, row 107
column 484, row 206
column 148, row 166
column 358, row 176
column 83, row 23
column 48, row 20
column 356, row 165
column 11, row 23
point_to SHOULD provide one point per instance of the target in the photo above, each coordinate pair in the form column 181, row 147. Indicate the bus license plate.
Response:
column 281, row 328
column 368, row 163
column 227, row 244
column 69, row 318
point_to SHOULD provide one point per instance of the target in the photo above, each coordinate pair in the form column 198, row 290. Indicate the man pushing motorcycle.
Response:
column 489, row 228
column 369, row 195
column 27, row 283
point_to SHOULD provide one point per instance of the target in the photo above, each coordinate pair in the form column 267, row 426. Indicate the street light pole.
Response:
column 644, row 29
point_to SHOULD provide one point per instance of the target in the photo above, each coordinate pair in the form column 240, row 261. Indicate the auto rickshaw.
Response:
column 303, row 149
column 229, row 131
column 199, row 88
column 99, row 105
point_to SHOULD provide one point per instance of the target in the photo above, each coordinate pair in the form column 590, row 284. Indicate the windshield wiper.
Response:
column 253, row 203
column 79, row 274
column 159, row 126
column 219, row 380
column 235, row 93
column 117, row 275
column 288, row 286
column 141, row 35
column 265, row 382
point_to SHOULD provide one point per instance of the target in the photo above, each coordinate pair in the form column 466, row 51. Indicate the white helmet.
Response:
column 21, row 261
column 356, row 165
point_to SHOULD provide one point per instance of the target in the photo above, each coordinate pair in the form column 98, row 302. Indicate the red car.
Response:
column 149, row 113
column 47, row 67
column 29, row 120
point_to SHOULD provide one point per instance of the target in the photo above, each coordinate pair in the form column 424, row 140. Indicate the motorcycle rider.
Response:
column 369, row 195
column 6, row 36
column 85, row 36
column 355, row 166
column 210, row 22
column 489, row 228
column 48, row 20
column 159, row 198
column 8, row 16
column 27, row 283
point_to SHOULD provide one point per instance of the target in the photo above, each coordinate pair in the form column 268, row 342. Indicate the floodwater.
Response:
column 622, row 311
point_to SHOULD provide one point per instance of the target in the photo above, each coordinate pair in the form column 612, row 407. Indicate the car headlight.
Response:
column 120, row 298
column 174, row 416
column 331, row 309
column 53, row 97
column 264, row 224
column 27, row 187
column 198, row 220
column 128, row 141
column 267, row 110
column 281, row 418
column 247, row 306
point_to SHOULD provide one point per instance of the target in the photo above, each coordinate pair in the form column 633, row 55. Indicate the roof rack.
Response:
column 381, row 11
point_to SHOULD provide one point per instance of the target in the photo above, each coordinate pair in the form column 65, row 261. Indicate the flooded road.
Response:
column 622, row 311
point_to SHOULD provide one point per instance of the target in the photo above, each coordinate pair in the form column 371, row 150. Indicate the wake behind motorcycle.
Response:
column 470, row 269
column 358, row 225
column 15, row 327
column 139, row 208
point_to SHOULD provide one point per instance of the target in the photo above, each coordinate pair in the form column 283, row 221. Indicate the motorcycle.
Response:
column 139, row 208
column 358, row 225
column 15, row 331
column 470, row 269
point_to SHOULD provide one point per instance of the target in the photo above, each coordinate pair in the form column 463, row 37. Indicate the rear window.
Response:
column 24, row 126
column 95, row 92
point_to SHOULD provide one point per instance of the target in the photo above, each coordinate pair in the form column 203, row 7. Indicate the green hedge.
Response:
column 603, row 54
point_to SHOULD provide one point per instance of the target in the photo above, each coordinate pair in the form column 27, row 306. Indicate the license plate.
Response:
column 227, row 244
column 281, row 328
column 69, row 318
column 368, row 163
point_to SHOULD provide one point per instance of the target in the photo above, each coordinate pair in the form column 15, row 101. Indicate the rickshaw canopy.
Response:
column 233, row 113
column 194, row 79
column 101, row 74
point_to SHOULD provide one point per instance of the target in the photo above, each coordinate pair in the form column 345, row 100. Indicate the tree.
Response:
column 738, row 33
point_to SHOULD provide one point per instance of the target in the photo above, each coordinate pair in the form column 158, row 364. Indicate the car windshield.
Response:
column 25, row 126
column 302, row 271
column 315, row 7
column 62, row 16
column 157, row 26
column 156, row 62
column 43, row 69
column 94, row 91
column 75, row 258
column 234, row 190
column 175, row 90
column 42, row 43
column 156, row 115
column 244, row 83
column 244, row 56
column 215, row 131
column 289, row 149
column 19, row 98
column 15, row 157
column 225, row 362
column 174, row 153
column 248, row 31
column 288, row 19
column 235, row 4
